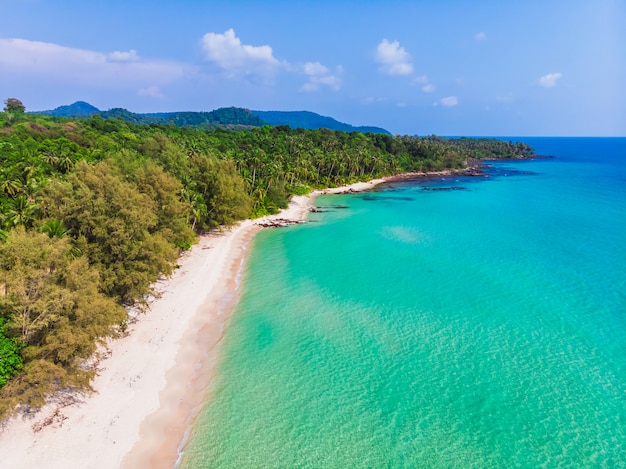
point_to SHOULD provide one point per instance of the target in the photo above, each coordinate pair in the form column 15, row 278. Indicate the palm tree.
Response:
column 10, row 184
column 54, row 228
column 20, row 211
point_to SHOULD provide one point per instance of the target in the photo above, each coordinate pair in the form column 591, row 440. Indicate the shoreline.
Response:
column 151, row 383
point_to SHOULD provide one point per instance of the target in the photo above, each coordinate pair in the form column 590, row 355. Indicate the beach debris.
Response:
column 56, row 418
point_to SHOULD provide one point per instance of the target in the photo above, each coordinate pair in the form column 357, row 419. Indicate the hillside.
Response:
column 222, row 117
column 312, row 121
column 77, row 109
column 226, row 117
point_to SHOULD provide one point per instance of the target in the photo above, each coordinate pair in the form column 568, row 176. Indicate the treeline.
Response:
column 93, row 211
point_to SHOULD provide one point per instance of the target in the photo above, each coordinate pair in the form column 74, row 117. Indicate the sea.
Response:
column 465, row 322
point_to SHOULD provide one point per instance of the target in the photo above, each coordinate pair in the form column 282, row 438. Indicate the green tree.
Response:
column 118, row 225
column 52, row 305
column 164, row 190
column 10, row 360
column 14, row 105
column 223, row 190
column 54, row 228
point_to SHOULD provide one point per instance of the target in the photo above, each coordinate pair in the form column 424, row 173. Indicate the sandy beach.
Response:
column 151, row 382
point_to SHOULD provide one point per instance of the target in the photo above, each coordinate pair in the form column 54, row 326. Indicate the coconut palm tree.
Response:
column 54, row 228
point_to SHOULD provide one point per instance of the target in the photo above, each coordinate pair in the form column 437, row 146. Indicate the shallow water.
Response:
column 482, row 327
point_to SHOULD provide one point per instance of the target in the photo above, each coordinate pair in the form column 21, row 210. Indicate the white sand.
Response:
column 148, row 389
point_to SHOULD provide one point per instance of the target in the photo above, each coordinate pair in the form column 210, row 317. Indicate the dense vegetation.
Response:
column 92, row 211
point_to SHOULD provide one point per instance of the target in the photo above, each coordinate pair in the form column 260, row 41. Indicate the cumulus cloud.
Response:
column 450, row 101
column 549, row 80
column 21, row 57
column 393, row 59
column 315, row 68
column 481, row 36
column 315, row 83
column 320, row 76
column 240, row 60
column 237, row 59
column 428, row 88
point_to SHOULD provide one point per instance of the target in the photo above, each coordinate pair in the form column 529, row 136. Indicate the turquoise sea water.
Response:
column 481, row 327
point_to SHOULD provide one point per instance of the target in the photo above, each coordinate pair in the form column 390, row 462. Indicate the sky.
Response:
column 444, row 67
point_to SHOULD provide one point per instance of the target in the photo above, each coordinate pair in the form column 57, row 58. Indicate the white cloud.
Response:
column 427, row 87
column 120, row 56
column 243, row 60
column 450, row 101
column 320, row 76
column 314, row 68
column 481, row 36
column 21, row 57
column 549, row 80
column 393, row 59
column 237, row 59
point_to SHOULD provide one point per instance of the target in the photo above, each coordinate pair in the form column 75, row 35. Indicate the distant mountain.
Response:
column 311, row 120
column 232, row 116
column 229, row 117
column 78, row 109
column 222, row 116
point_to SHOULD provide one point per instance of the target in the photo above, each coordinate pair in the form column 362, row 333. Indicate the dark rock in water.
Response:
column 280, row 223
column 316, row 210
column 477, row 173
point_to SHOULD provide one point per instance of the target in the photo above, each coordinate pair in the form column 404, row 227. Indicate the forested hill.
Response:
column 311, row 120
column 93, row 210
column 224, row 117
column 232, row 117
column 77, row 109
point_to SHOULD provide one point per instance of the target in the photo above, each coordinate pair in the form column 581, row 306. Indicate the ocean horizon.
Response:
column 442, row 322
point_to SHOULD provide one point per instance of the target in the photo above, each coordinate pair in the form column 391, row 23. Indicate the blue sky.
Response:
column 445, row 67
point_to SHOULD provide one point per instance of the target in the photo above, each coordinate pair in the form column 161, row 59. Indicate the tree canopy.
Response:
column 13, row 105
